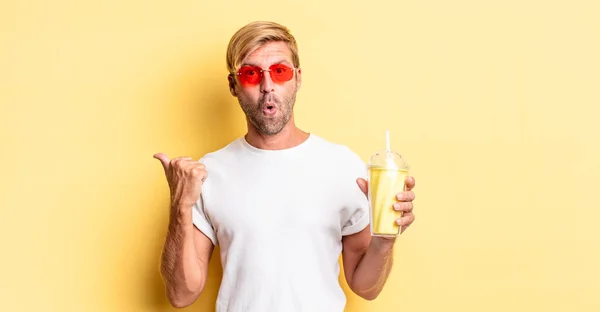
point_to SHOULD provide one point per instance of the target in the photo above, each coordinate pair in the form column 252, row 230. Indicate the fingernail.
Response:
column 399, row 221
column 400, row 196
column 397, row 206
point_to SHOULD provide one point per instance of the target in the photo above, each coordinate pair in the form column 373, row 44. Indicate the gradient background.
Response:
column 493, row 103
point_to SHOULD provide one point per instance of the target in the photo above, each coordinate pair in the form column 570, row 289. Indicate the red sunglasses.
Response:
column 253, row 75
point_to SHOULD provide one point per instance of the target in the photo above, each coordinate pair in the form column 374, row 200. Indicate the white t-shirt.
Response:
column 278, row 217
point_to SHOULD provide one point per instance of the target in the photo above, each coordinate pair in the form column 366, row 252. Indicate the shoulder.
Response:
column 338, row 154
column 337, row 149
column 223, row 155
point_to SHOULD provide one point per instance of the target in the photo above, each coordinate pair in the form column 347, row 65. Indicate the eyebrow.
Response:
column 283, row 61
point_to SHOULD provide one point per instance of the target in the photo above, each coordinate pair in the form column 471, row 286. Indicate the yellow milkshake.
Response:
column 384, row 184
column 387, row 177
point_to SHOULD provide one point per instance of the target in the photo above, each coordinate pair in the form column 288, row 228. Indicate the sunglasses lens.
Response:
column 250, row 75
column 281, row 73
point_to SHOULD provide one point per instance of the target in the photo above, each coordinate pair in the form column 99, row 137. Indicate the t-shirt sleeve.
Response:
column 358, row 204
column 202, row 221
column 357, row 222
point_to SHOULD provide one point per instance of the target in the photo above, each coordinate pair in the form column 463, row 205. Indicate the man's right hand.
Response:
column 185, row 177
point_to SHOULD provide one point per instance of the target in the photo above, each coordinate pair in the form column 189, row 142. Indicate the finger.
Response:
column 164, row 160
column 179, row 164
column 406, row 220
column 406, row 196
column 189, row 163
column 180, row 159
column 200, row 173
column 363, row 185
column 410, row 183
column 406, row 223
column 405, row 207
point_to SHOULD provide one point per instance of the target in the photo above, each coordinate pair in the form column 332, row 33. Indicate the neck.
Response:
column 288, row 137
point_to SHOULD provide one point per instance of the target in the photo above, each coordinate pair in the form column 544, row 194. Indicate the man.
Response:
column 282, row 203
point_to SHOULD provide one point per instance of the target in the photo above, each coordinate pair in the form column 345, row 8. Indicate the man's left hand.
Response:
column 404, row 203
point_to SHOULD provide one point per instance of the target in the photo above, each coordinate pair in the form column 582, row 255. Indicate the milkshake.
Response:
column 387, row 176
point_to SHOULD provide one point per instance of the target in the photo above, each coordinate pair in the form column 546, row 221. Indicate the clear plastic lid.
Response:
column 388, row 158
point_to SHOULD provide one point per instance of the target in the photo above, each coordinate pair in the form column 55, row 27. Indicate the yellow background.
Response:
column 493, row 103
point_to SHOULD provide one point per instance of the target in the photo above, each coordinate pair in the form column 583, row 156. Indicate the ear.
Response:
column 231, row 85
column 298, row 79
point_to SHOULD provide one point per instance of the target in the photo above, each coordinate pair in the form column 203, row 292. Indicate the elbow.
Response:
column 182, row 297
column 180, row 301
column 369, row 296
column 179, row 304
column 183, row 293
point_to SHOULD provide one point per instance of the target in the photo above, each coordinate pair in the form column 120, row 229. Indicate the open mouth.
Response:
column 269, row 109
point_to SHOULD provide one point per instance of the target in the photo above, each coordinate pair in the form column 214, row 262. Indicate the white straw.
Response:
column 387, row 140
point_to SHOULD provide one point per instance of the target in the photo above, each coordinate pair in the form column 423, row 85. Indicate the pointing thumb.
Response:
column 164, row 160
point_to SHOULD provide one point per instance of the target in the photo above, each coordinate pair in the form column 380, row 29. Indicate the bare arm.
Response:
column 184, row 262
column 187, row 251
column 368, row 260
column 367, row 263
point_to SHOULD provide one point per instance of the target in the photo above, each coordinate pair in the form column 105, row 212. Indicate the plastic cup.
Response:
column 387, row 177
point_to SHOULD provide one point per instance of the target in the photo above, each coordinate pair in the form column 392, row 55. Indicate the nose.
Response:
column 267, row 85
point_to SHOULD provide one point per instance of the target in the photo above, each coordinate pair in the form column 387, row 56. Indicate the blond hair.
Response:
column 250, row 37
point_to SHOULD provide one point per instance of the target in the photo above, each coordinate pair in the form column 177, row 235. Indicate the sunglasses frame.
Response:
column 262, row 73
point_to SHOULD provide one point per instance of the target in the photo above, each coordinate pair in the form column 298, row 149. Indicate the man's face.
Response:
column 268, row 105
